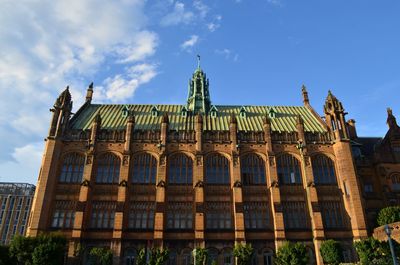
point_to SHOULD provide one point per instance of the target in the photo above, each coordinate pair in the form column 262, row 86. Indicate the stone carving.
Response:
column 163, row 159
column 123, row 183
column 85, row 183
column 274, row 184
column 125, row 160
column 89, row 160
column 272, row 161
column 199, row 184
column 199, row 160
column 161, row 184
column 235, row 160
column 310, row 183
column 237, row 184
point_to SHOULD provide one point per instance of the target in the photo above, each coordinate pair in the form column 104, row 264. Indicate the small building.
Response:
column 16, row 201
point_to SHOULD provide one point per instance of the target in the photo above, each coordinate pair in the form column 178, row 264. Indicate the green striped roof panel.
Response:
column 112, row 118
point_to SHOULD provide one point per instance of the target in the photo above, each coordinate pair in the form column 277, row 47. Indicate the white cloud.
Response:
column 177, row 16
column 46, row 45
column 275, row 2
column 228, row 54
column 215, row 24
column 201, row 7
column 188, row 44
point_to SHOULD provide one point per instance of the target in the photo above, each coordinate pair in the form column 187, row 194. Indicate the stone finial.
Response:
column 233, row 119
column 266, row 119
column 131, row 117
column 391, row 119
column 89, row 92
column 304, row 92
column 165, row 118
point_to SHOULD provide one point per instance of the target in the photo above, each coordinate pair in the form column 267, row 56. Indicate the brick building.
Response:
column 16, row 202
column 197, row 174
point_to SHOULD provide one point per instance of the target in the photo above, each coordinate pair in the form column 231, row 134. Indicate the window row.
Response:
column 180, row 169
column 218, row 215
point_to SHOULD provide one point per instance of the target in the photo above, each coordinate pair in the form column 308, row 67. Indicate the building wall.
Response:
column 15, row 203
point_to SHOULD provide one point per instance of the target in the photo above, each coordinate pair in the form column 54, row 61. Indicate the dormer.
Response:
column 243, row 112
column 271, row 113
column 184, row 111
column 154, row 111
column 125, row 111
column 213, row 112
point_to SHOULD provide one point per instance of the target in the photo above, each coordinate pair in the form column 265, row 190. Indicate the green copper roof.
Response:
column 112, row 118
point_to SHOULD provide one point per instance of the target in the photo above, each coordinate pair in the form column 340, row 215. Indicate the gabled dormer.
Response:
column 213, row 112
column 271, row 113
column 184, row 111
column 243, row 112
column 154, row 111
column 125, row 111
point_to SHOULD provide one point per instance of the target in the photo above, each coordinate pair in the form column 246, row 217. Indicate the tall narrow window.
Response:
column 333, row 214
column 72, row 168
column 180, row 215
column 217, row 170
column 144, row 169
column 295, row 215
column 141, row 215
column 289, row 170
column 253, row 170
column 395, row 182
column 103, row 214
column 108, row 168
column 256, row 215
column 323, row 170
column 218, row 215
column 180, row 170
column 63, row 214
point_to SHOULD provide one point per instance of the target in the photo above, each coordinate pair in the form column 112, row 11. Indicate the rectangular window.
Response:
column 295, row 215
column 333, row 214
column 180, row 215
column 63, row 214
column 256, row 215
column 103, row 213
column 368, row 188
column 219, row 215
column 141, row 215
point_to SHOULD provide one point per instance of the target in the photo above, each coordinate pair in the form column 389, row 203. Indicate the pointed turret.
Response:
column 391, row 119
column 89, row 93
column 304, row 92
column 61, row 113
column 198, row 95
column 334, row 115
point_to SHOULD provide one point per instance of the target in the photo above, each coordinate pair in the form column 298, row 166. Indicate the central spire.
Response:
column 198, row 95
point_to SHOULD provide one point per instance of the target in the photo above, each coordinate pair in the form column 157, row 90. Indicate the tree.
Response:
column 5, row 258
column 292, row 254
column 102, row 256
column 141, row 258
column 331, row 252
column 389, row 215
column 373, row 251
column 158, row 256
column 21, row 248
column 200, row 256
column 243, row 253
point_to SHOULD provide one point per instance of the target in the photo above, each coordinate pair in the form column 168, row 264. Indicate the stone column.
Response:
column 198, row 181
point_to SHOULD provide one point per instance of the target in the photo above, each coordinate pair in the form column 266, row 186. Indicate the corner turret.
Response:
column 335, row 117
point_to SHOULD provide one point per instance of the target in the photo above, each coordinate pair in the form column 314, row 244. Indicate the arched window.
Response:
column 395, row 182
column 323, row 170
column 228, row 257
column 172, row 257
column 108, row 168
column 217, row 170
column 268, row 256
column 212, row 256
column 72, row 168
column 253, row 170
column 180, row 170
column 130, row 257
column 144, row 169
column 289, row 171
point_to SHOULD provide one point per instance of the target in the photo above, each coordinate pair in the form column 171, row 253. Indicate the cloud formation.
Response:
column 188, row 44
column 178, row 15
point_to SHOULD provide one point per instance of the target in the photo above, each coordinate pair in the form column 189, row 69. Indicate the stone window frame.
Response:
column 180, row 169
column 324, row 170
column 102, row 215
column 217, row 170
column 108, row 168
column 72, row 168
column 289, row 169
column 144, row 169
column 257, row 213
column 295, row 215
column 180, row 216
column 333, row 215
column 218, row 216
column 63, row 216
column 253, row 170
column 141, row 215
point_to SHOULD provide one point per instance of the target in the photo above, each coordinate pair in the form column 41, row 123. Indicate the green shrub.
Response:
column 201, row 256
column 331, row 252
column 292, row 254
column 102, row 256
column 373, row 251
column 243, row 253
column 5, row 258
column 389, row 215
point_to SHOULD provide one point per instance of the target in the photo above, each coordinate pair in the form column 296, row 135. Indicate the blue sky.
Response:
column 257, row 52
